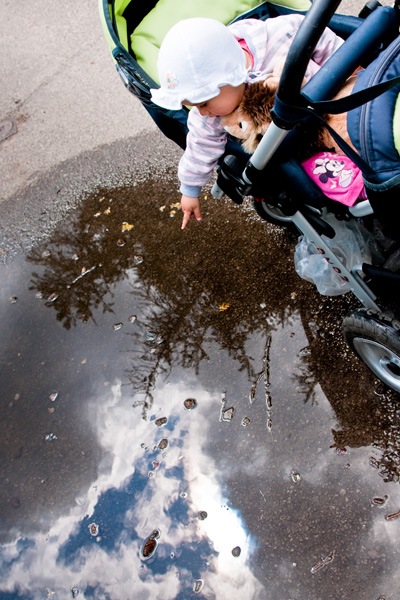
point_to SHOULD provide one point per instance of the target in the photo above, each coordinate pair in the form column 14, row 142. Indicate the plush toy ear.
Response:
column 271, row 83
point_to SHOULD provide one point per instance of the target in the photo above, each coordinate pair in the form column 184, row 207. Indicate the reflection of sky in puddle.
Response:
column 105, row 466
column 127, row 505
column 240, row 476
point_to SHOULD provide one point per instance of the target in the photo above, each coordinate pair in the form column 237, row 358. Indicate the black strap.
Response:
column 347, row 149
column 353, row 101
column 344, row 105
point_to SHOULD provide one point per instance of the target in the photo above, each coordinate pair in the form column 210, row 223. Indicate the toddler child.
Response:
column 207, row 65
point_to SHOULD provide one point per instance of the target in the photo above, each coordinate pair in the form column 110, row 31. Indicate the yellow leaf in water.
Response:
column 175, row 205
column 107, row 211
column 126, row 226
column 224, row 306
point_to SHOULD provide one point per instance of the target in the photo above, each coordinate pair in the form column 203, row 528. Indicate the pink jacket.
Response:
column 269, row 42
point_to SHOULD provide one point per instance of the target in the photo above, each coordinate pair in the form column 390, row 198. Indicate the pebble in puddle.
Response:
column 227, row 414
column 150, row 544
column 380, row 501
column 162, row 444
column 190, row 403
column 94, row 529
column 198, row 585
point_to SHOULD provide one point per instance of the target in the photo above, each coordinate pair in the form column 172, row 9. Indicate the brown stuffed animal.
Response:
column 250, row 120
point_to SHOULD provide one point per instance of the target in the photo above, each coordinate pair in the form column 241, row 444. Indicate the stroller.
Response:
column 281, row 190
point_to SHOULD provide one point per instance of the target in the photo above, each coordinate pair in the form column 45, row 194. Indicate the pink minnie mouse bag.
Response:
column 337, row 176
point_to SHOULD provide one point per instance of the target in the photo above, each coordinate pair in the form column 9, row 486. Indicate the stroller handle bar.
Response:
column 302, row 48
column 288, row 93
column 291, row 100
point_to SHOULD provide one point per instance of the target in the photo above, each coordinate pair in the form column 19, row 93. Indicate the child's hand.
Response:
column 190, row 206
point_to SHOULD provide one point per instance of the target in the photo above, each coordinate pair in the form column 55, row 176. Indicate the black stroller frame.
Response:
column 372, row 331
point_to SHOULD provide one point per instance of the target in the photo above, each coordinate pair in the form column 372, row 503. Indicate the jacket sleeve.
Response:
column 205, row 144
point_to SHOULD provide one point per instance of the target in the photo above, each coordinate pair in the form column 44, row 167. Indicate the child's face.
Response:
column 227, row 100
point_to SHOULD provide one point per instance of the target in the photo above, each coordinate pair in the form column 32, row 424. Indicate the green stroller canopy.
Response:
column 145, row 40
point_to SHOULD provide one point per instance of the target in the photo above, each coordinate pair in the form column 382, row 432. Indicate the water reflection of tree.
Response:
column 234, row 263
column 367, row 412
column 186, row 278
column 83, row 244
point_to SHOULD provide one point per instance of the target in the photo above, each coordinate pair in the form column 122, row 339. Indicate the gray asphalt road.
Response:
column 59, row 84
column 77, row 126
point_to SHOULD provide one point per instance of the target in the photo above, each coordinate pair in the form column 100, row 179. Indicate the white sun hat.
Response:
column 196, row 58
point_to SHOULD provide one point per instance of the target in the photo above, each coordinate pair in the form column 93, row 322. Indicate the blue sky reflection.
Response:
column 127, row 505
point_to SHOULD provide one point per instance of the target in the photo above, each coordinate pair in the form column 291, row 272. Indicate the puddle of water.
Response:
column 117, row 350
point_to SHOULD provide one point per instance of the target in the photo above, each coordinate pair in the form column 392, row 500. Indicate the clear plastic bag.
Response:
column 351, row 245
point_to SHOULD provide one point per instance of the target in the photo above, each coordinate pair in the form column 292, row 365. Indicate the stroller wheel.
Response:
column 375, row 339
column 272, row 214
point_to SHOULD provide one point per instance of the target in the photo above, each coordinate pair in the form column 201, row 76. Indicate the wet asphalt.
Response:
column 180, row 417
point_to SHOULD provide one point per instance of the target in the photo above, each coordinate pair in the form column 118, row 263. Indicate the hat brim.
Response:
column 171, row 101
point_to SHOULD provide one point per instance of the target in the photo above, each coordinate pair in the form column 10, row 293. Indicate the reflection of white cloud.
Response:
column 118, row 431
column 228, row 576
column 185, row 466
